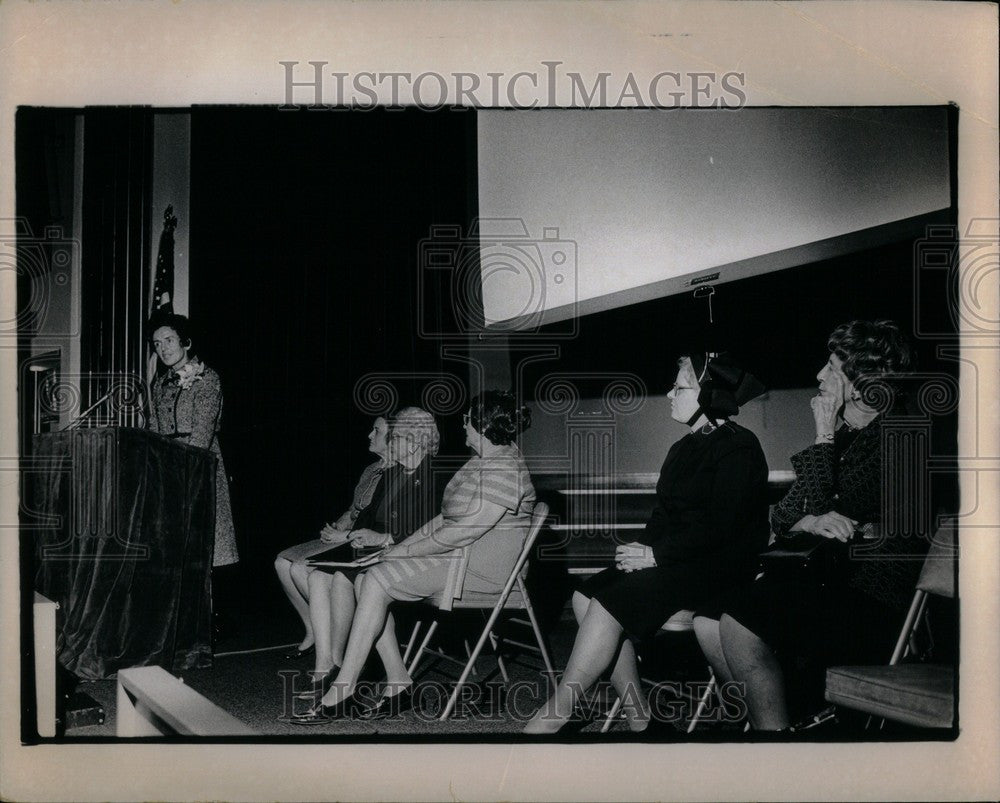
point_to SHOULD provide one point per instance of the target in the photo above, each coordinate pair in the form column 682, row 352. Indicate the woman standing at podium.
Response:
column 186, row 403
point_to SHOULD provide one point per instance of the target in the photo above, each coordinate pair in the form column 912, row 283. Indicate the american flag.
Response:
column 163, row 283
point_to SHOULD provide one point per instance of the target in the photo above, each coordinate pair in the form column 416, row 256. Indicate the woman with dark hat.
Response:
column 709, row 524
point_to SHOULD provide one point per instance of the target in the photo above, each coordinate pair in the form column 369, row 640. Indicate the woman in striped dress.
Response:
column 487, row 508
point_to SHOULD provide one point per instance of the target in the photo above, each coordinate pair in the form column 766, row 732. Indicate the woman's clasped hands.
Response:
column 634, row 556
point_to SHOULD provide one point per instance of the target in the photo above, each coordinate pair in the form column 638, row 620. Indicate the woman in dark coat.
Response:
column 709, row 524
column 844, row 613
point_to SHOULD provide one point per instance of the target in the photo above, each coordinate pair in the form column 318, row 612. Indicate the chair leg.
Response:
column 412, row 642
column 912, row 617
column 702, row 702
column 612, row 715
column 468, row 655
column 538, row 632
column 500, row 662
column 423, row 646
column 472, row 660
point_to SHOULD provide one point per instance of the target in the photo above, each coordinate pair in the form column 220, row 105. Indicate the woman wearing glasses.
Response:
column 709, row 524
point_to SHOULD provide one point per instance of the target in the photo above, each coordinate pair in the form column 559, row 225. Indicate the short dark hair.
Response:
column 179, row 323
column 497, row 415
column 870, row 349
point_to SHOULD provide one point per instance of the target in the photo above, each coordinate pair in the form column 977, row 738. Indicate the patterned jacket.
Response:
column 848, row 477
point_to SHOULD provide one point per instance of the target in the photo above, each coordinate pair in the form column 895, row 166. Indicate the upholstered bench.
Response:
column 915, row 694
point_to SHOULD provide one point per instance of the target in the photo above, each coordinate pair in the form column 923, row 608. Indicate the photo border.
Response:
column 817, row 53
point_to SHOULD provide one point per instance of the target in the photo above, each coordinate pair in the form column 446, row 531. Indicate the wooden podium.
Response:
column 124, row 546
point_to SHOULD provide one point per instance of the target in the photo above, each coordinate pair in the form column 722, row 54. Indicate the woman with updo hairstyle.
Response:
column 486, row 510
column 848, row 610
column 186, row 404
column 495, row 415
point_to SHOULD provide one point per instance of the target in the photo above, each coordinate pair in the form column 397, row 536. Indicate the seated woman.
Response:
column 837, row 490
column 709, row 523
column 487, row 507
column 290, row 565
column 406, row 499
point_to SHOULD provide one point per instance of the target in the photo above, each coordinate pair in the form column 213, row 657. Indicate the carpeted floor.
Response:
column 253, row 680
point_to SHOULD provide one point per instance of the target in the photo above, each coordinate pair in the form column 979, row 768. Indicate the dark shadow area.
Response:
column 304, row 278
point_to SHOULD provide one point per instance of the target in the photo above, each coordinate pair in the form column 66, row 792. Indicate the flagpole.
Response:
column 163, row 288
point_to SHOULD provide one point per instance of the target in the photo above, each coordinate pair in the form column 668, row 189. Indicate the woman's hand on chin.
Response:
column 825, row 407
column 829, row 525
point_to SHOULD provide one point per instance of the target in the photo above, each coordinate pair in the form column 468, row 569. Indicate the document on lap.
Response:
column 346, row 556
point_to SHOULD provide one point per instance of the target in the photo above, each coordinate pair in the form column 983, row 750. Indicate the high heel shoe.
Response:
column 348, row 708
column 320, row 685
column 393, row 706
column 295, row 653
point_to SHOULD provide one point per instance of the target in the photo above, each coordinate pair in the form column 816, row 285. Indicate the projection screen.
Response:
column 586, row 210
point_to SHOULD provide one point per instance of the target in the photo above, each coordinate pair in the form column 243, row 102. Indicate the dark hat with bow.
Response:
column 724, row 386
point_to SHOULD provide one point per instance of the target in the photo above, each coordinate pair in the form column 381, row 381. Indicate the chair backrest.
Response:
column 936, row 577
column 454, row 592
column 538, row 517
column 938, row 573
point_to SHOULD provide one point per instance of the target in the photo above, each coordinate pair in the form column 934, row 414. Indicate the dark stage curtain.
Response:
column 129, row 555
column 305, row 277
column 114, row 293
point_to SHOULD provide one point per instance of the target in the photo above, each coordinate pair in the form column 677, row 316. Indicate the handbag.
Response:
column 805, row 557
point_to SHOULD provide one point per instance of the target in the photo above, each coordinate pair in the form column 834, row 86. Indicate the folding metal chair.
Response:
column 680, row 622
column 513, row 596
column 917, row 693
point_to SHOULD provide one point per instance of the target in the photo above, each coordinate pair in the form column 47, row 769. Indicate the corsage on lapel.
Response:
column 189, row 373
